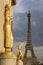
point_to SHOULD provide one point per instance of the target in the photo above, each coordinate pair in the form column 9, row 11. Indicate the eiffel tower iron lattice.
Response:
column 29, row 47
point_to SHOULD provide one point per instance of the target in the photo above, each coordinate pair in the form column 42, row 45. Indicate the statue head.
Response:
column 7, row 7
column 7, row 14
column 20, row 45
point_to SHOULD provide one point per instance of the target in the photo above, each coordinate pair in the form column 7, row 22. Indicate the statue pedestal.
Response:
column 7, row 59
column 19, row 62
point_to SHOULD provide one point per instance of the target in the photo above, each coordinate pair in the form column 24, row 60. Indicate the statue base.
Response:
column 19, row 62
column 7, row 58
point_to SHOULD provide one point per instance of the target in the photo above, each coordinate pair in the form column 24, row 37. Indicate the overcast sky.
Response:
column 20, row 20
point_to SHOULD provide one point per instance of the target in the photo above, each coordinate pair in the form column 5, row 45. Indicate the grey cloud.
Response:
column 20, row 21
column 37, row 30
column 25, row 5
column 20, row 30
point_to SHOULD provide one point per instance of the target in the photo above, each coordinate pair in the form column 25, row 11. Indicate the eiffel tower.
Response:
column 29, row 47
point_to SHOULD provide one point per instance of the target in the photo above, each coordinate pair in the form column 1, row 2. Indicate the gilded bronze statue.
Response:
column 8, row 39
column 20, row 52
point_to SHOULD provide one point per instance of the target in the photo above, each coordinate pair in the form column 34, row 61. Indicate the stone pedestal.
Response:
column 7, row 59
column 19, row 62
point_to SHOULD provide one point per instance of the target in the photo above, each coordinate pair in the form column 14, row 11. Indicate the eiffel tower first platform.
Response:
column 29, row 47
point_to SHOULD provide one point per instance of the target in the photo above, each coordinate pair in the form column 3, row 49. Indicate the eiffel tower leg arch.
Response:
column 35, row 63
column 24, row 62
column 32, row 52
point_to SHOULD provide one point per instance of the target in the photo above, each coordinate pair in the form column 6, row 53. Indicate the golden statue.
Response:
column 19, row 52
column 8, row 37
